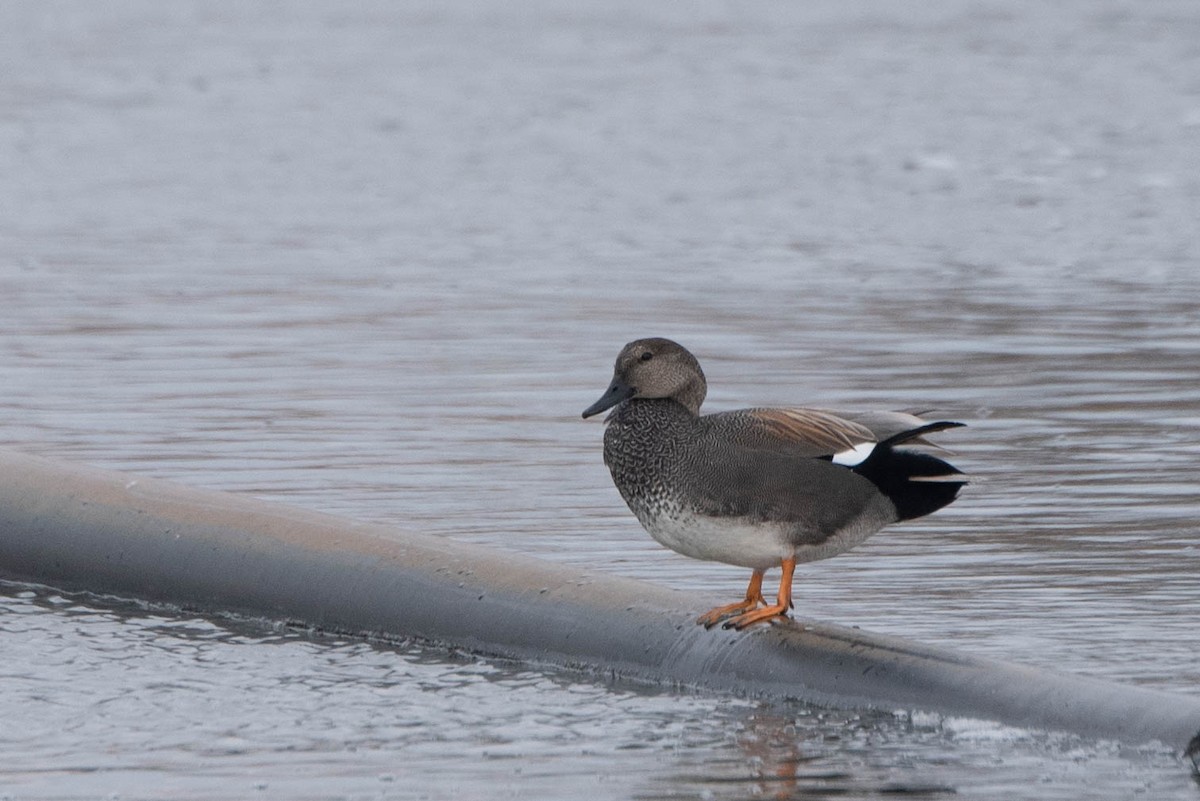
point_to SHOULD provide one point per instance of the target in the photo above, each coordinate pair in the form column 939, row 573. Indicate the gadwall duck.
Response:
column 761, row 487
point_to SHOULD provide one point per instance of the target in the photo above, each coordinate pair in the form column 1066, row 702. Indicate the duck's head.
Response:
column 654, row 368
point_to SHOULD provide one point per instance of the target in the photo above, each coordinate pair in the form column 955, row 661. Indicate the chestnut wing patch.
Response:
column 811, row 429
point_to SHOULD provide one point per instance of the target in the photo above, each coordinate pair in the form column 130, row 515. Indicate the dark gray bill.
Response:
column 617, row 391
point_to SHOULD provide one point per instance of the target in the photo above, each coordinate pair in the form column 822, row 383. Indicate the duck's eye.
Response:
column 647, row 356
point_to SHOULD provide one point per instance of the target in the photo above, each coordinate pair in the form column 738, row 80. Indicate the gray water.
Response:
column 374, row 259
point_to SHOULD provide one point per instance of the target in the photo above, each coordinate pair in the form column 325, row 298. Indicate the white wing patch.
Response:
column 852, row 457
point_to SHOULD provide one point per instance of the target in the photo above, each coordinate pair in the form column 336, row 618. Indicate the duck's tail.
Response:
column 916, row 483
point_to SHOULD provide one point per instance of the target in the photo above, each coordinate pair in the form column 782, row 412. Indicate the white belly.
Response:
column 742, row 542
column 729, row 540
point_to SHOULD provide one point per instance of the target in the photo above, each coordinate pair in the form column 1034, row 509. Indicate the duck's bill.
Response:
column 617, row 391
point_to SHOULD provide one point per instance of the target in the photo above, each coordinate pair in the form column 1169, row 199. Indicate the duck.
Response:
column 762, row 487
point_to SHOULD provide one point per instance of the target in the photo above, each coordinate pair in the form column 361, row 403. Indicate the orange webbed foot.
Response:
column 767, row 613
column 715, row 616
column 754, row 597
column 775, row 611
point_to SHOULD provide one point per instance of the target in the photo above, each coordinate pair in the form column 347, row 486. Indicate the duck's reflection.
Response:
column 782, row 752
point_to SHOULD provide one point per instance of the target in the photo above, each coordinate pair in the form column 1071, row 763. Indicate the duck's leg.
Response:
column 778, row 609
column 754, row 597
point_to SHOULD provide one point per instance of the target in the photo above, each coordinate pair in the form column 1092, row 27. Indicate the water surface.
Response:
column 375, row 260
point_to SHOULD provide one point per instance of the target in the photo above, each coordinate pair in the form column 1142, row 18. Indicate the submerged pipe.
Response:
column 79, row 528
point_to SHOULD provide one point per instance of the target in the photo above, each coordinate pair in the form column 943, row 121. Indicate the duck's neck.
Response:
column 691, row 396
column 653, row 413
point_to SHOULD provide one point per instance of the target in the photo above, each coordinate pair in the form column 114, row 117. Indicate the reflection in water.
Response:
column 784, row 755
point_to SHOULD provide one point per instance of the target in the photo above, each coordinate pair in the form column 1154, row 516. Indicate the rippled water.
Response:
column 375, row 260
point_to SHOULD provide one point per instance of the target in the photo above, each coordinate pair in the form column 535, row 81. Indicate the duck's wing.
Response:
column 810, row 468
column 898, row 427
column 778, row 466
column 806, row 432
column 799, row 432
column 810, row 431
